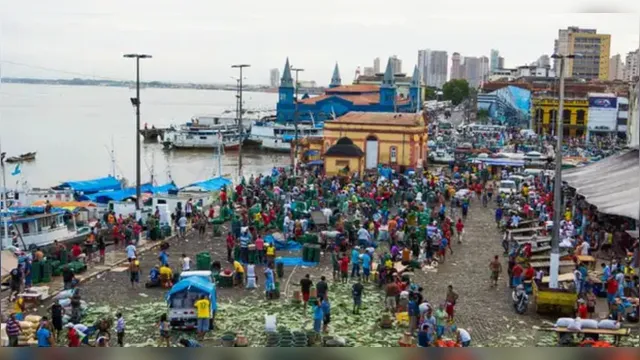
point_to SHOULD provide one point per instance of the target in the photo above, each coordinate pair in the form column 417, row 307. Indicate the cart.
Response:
column 555, row 301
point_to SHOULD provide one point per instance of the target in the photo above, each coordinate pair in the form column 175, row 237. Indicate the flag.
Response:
column 17, row 170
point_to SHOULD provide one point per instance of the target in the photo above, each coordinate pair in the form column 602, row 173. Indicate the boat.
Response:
column 30, row 156
column 440, row 156
column 205, row 132
column 277, row 136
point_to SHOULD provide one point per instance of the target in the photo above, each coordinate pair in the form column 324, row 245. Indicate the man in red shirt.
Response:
column 459, row 230
column 76, row 251
column 612, row 290
column 223, row 197
column 231, row 243
column 516, row 272
column 529, row 273
column 344, row 267
column 583, row 313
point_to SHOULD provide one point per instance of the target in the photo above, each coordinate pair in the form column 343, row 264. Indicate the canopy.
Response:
column 312, row 152
column 209, row 185
column 64, row 204
column 610, row 184
column 104, row 197
column 92, row 186
column 193, row 283
column 501, row 162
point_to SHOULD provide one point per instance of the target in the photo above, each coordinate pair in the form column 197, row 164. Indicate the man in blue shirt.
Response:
column 43, row 335
column 317, row 316
column 355, row 262
column 498, row 216
column 414, row 312
column 366, row 266
column 326, row 312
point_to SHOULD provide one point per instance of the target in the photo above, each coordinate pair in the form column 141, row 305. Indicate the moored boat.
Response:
column 30, row 156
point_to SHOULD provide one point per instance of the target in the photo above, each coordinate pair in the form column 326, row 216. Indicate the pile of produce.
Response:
column 29, row 327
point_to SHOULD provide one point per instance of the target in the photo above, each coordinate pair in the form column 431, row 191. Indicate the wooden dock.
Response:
column 153, row 134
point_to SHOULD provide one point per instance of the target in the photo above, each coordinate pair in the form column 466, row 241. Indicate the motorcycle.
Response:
column 520, row 300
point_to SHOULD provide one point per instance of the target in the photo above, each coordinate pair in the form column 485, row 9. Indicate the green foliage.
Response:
column 430, row 93
column 483, row 115
column 456, row 91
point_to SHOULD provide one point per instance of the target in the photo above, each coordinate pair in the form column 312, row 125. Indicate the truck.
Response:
column 182, row 297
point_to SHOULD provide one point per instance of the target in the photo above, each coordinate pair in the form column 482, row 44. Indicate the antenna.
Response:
column 113, row 158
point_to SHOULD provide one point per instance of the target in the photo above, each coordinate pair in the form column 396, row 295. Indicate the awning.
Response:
column 501, row 162
column 91, row 186
column 315, row 163
column 209, row 185
column 104, row 197
column 311, row 152
column 611, row 184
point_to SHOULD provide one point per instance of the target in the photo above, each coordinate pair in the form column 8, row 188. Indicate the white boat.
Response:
column 38, row 229
column 277, row 137
column 440, row 156
column 205, row 132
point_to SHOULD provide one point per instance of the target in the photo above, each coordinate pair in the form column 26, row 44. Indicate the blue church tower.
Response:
column 388, row 88
column 286, row 86
column 415, row 90
column 335, row 79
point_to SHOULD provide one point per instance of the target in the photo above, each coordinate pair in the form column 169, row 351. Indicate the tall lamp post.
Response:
column 136, row 102
column 557, row 187
column 295, row 123
column 240, row 127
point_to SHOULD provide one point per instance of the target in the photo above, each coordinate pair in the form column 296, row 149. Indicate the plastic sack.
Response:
column 609, row 324
column 564, row 322
column 65, row 294
column 589, row 324
column 270, row 323
column 33, row 318
column 65, row 302
column 576, row 325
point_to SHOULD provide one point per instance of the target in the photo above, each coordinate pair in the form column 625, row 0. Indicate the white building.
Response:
column 495, row 60
column 437, row 74
column 623, row 115
column 561, row 44
column 631, row 66
column 424, row 60
column 533, row 71
column 396, row 64
column 603, row 114
column 376, row 65
column 369, row 71
column 274, row 77
column 616, row 68
column 543, row 61
column 456, row 68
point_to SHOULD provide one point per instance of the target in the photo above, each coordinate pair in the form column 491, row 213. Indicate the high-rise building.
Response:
column 368, row 71
column 424, row 59
column 616, row 68
column 631, row 66
column 495, row 59
column 376, row 65
column 437, row 72
column 485, row 68
column 543, row 61
column 456, row 72
column 561, row 44
column 473, row 71
column 396, row 64
column 593, row 48
column 500, row 62
column 274, row 76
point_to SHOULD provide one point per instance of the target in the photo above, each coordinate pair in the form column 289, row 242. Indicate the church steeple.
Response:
column 415, row 80
column 335, row 79
column 388, row 80
column 287, row 80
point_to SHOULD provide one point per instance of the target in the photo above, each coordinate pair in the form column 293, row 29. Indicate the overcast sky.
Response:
column 197, row 40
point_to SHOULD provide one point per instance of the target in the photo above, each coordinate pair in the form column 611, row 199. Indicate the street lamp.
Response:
column 136, row 102
column 239, row 116
column 295, row 123
column 557, row 187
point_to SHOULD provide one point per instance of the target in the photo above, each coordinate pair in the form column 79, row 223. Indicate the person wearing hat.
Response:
column 134, row 271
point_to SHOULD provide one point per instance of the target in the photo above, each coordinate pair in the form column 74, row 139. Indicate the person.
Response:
column 322, row 288
column 231, row 243
column 203, row 309
column 189, row 343
column 260, row 254
column 414, row 312
column 356, row 291
column 496, row 269
column 13, row 330
column 166, row 277
column 182, row 225
column 134, row 272
column 344, row 268
column 131, row 251
column 305, row 285
column 366, row 267
column 186, row 263
column 326, row 312
column 441, row 320
column 423, row 336
column 577, row 280
column 76, row 251
column 516, row 274
column 392, row 291
column 269, row 282
column 154, row 277
column 120, row 327
column 463, row 337
column 102, row 247
column 355, row 262
column 19, row 307
column 44, row 336
column 452, row 299
column 239, row 271
column 163, row 328
column 57, row 312
column 317, row 316
column 68, row 277
column 15, row 282
column 583, row 312
column 460, row 230
column 612, row 290
column 73, row 336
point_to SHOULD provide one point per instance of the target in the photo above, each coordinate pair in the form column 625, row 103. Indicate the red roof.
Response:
column 357, row 88
column 355, row 99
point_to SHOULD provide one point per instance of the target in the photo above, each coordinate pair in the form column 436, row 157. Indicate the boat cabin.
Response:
column 36, row 229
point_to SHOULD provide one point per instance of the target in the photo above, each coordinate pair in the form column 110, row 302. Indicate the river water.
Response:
column 72, row 128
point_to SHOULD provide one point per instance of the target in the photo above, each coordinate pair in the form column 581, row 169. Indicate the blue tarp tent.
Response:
column 209, row 185
column 104, row 197
column 195, row 284
column 165, row 188
column 91, row 186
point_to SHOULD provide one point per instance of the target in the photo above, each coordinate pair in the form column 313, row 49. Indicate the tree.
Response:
column 483, row 116
column 430, row 93
column 455, row 90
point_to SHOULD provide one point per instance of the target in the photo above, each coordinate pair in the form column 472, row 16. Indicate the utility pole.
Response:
column 136, row 102
column 295, row 124
column 5, row 206
column 240, row 127
column 557, row 187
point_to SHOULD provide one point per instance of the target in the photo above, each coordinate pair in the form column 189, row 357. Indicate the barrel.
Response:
column 64, row 256
column 236, row 253
column 47, row 271
column 36, row 272
column 166, row 230
column 226, row 281
column 252, row 253
column 305, row 252
column 316, row 253
column 280, row 270
column 203, row 261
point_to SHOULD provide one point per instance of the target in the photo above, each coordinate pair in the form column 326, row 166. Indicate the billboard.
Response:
column 603, row 112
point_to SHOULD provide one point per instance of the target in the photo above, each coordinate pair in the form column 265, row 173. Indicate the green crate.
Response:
column 203, row 261
column 46, row 272
column 36, row 272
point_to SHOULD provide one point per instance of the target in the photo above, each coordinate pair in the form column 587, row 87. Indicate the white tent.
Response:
column 612, row 184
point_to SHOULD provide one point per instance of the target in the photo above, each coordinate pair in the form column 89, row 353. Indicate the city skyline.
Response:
column 199, row 42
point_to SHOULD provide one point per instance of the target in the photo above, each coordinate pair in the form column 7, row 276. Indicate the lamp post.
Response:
column 557, row 187
column 295, row 123
column 239, row 116
column 136, row 102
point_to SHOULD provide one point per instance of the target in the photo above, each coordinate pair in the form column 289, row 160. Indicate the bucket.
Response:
column 228, row 339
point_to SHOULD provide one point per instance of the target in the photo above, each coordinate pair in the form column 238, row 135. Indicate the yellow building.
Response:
column 393, row 139
column 344, row 157
column 594, row 50
column 544, row 112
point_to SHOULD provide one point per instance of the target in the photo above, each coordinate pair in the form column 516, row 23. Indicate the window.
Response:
column 580, row 117
column 566, row 116
column 393, row 155
column 203, row 138
column 341, row 164
column 623, row 107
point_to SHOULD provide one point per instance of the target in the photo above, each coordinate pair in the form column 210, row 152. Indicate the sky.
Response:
column 198, row 40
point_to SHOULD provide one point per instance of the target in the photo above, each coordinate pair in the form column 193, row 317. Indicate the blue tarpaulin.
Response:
column 502, row 162
column 290, row 261
column 315, row 163
column 104, row 197
column 210, row 185
column 312, row 152
column 195, row 284
column 287, row 138
column 165, row 188
column 289, row 246
column 92, row 186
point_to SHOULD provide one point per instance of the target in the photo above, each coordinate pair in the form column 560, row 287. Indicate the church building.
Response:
column 340, row 99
